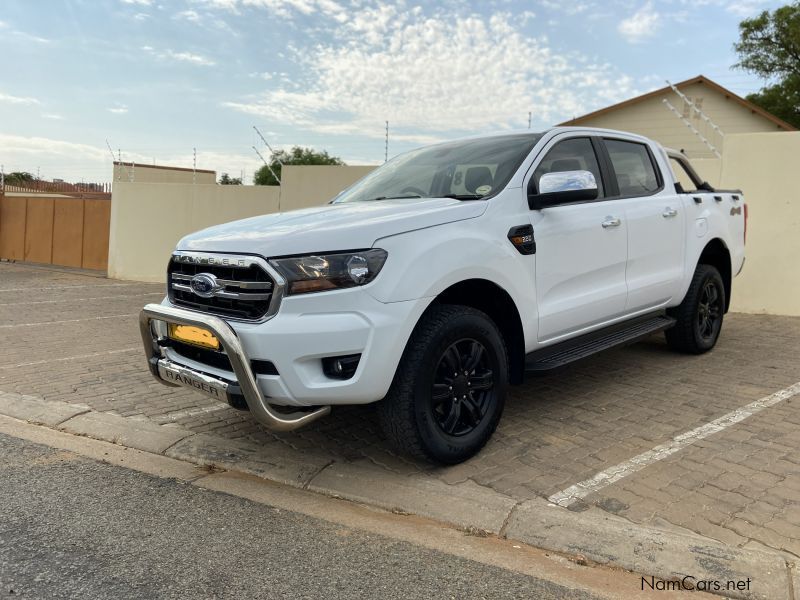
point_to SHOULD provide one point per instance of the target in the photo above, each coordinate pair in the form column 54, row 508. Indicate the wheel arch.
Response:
column 497, row 303
column 716, row 254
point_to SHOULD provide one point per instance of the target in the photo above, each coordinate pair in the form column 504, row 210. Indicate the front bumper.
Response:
column 169, row 372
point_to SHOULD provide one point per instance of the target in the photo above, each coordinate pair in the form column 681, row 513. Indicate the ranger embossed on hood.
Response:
column 330, row 227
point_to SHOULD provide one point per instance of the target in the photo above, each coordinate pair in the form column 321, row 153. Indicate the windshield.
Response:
column 467, row 169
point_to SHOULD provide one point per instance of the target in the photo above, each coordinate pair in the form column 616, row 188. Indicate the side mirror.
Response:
column 563, row 186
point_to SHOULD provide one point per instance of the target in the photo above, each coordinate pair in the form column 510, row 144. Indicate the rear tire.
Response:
column 699, row 316
column 450, row 386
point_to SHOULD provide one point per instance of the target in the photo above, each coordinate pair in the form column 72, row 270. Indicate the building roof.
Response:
column 699, row 79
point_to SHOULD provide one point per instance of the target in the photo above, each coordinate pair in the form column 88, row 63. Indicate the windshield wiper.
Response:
column 463, row 196
column 394, row 197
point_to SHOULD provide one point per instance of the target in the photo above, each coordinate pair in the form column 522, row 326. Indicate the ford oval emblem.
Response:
column 204, row 285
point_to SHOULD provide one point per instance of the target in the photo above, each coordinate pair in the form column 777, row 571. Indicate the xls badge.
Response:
column 204, row 285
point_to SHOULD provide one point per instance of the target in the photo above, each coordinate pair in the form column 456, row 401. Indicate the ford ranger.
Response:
column 445, row 275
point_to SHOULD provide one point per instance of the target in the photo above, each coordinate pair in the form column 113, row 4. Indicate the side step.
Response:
column 564, row 353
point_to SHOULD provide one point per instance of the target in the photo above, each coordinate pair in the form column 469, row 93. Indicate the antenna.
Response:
column 266, row 143
column 529, row 119
column 194, row 166
column 692, row 127
column 268, row 166
column 386, row 148
column 114, row 159
column 700, row 113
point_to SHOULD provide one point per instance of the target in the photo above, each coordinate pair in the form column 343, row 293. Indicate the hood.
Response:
column 330, row 227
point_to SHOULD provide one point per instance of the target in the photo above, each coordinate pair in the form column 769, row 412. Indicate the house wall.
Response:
column 653, row 119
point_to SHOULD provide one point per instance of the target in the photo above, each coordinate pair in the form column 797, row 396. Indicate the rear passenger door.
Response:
column 656, row 224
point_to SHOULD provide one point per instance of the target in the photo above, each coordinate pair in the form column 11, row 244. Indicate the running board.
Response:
column 564, row 353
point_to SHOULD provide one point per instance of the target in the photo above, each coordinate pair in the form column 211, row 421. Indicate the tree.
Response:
column 19, row 177
column 226, row 179
column 769, row 46
column 295, row 156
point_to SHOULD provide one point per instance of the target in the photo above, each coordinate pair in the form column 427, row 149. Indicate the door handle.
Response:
column 669, row 212
column 612, row 222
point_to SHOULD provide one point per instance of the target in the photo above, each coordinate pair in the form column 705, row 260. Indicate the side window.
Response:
column 636, row 174
column 575, row 154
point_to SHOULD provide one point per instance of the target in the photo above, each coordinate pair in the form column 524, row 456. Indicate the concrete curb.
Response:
column 466, row 505
column 134, row 433
column 38, row 411
column 597, row 536
column 276, row 463
column 666, row 555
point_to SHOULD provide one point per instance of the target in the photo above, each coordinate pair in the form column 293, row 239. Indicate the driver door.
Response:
column 581, row 249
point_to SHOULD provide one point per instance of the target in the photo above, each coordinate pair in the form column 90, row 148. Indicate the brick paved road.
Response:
column 741, row 485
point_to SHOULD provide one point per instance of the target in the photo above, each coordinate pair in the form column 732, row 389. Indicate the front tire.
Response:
column 450, row 387
column 699, row 316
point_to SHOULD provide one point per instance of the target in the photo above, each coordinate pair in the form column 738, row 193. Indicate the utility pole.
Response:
column 386, row 148
column 529, row 119
column 194, row 166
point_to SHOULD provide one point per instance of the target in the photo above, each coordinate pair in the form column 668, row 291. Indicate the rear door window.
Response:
column 634, row 169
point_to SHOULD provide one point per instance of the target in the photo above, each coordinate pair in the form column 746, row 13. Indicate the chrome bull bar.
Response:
column 165, row 370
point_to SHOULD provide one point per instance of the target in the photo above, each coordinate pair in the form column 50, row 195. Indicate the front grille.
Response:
column 244, row 289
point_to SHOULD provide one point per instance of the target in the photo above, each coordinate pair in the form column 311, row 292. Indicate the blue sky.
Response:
column 157, row 78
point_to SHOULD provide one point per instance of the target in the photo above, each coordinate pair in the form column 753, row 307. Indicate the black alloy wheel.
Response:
column 462, row 387
column 709, row 310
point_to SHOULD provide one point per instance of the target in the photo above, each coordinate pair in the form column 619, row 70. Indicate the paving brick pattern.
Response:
column 63, row 339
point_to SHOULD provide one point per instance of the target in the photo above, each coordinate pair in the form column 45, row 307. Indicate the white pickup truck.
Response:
column 444, row 276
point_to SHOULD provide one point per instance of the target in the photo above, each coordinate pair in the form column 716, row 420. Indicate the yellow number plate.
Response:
column 196, row 336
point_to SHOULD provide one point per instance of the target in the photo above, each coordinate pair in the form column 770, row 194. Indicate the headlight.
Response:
column 320, row 272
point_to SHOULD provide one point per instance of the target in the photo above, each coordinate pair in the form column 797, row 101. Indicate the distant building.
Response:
column 650, row 116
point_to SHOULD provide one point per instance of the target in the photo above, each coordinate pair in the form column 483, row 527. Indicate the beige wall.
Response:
column 653, row 119
column 764, row 166
column 304, row 186
column 160, row 174
column 148, row 219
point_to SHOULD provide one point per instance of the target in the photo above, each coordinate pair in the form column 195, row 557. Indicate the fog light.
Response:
column 340, row 367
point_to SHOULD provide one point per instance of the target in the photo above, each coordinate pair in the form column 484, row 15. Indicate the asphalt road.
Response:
column 72, row 527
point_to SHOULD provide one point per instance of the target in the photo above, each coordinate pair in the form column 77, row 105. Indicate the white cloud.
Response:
column 745, row 8
column 9, row 99
column 52, row 116
column 141, row 16
column 188, row 57
column 435, row 74
column 188, row 15
column 120, row 109
column 640, row 25
column 138, row 2
column 14, row 145
column 288, row 8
